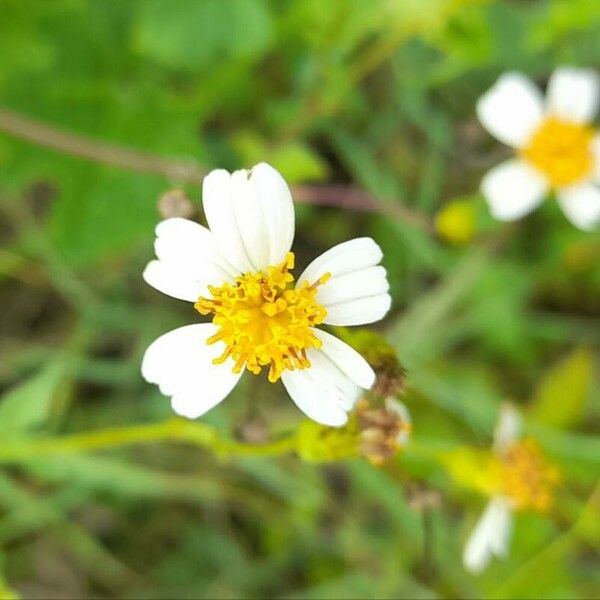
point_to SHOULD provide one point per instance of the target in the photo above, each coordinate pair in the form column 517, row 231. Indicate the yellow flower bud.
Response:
column 456, row 221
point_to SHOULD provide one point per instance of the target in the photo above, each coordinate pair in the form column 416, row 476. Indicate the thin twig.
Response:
column 339, row 196
column 101, row 152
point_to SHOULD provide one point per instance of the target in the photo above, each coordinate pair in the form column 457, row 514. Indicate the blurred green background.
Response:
column 376, row 95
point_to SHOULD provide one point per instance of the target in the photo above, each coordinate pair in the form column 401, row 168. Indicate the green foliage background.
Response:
column 377, row 94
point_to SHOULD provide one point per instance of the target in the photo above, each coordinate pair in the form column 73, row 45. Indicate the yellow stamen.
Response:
column 527, row 478
column 263, row 321
column 562, row 150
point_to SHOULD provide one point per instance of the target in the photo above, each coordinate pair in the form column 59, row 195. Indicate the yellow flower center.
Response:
column 264, row 321
column 527, row 478
column 561, row 150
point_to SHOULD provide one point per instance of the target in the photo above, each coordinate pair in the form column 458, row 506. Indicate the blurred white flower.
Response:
column 557, row 149
column 238, row 271
column 522, row 481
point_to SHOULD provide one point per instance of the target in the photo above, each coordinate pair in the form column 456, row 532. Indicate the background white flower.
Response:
column 521, row 480
column 239, row 271
column 491, row 536
column 557, row 150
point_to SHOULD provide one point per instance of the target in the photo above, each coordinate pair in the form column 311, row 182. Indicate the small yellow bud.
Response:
column 456, row 221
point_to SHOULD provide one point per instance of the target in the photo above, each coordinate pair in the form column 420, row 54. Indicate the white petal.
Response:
column 355, row 294
column 490, row 537
column 513, row 189
column 573, row 94
column 324, row 370
column 278, row 210
column 359, row 312
column 508, row 427
column 188, row 261
column 180, row 363
column 347, row 257
column 316, row 399
column 347, row 359
column 512, row 109
column 251, row 214
column 581, row 205
column 173, row 281
column 217, row 199
column 359, row 284
column 189, row 244
column 250, row 219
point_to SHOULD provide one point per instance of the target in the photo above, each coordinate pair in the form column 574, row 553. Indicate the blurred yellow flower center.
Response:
column 456, row 222
column 527, row 478
column 264, row 321
column 562, row 150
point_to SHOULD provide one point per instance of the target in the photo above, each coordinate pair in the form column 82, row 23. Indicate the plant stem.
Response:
column 198, row 434
column 97, row 151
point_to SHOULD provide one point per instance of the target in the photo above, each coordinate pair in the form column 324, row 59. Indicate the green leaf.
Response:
column 561, row 396
column 103, row 211
column 189, row 34
column 296, row 160
column 119, row 476
column 28, row 405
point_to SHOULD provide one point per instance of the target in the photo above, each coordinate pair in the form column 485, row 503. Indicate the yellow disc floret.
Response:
column 264, row 321
column 527, row 478
column 561, row 150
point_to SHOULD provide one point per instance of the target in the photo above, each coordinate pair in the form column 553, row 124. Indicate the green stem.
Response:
column 179, row 430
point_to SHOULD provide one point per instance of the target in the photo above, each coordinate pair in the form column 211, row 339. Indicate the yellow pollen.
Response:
column 527, row 478
column 264, row 321
column 561, row 150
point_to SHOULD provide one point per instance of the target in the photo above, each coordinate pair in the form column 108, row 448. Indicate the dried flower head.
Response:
column 384, row 431
column 175, row 203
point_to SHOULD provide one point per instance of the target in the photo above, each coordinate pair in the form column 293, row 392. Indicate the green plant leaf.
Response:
column 28, row 404
column 561, row 395
column 188, row 34
column 296, row 160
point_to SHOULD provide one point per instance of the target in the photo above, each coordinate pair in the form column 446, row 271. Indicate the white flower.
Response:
column 557, row 149
column 491, row 536
column 238, row 271
column 520, row 479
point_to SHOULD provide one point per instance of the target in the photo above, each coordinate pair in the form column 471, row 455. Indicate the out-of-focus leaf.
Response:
column 296, row 160
column 190, row 34
column 121, row 477
column 561, row 396
column 101, row 212
column 28, row 405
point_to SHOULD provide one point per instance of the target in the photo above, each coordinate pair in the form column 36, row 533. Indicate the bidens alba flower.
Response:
column 557, row 148
column 518, row 478
column 239, row 272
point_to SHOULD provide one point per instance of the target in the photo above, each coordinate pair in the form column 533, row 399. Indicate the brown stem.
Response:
column 340, row 196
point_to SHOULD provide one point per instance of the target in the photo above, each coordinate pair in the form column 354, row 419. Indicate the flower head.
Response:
column 239, row 273
column 518, row 477
column 556, row 147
